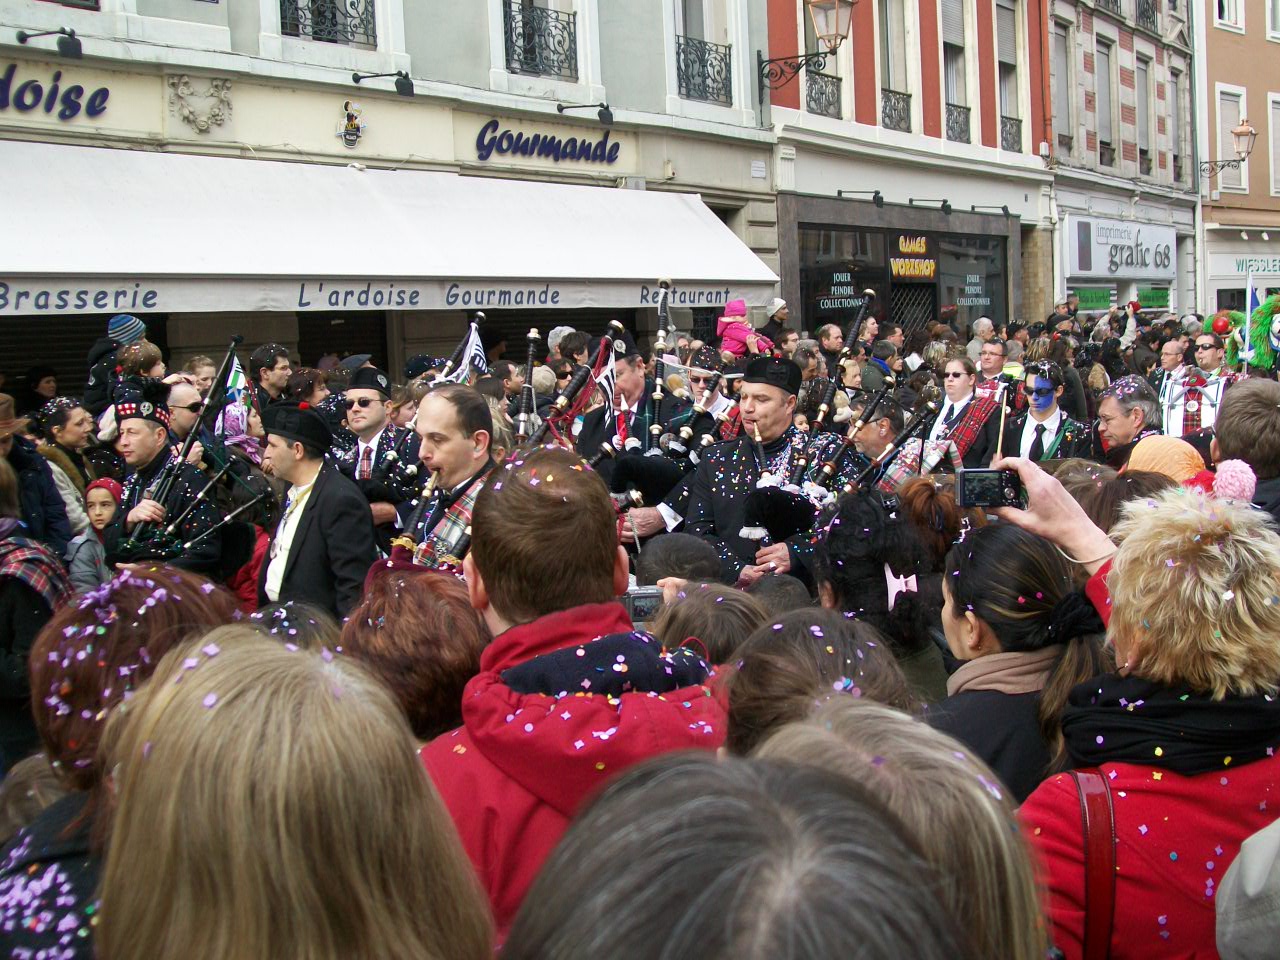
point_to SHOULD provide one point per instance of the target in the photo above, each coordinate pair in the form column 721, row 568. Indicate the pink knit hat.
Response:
column 735, row 308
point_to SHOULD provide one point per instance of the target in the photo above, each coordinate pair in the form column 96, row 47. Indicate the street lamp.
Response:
column 1243, row 138
column 404, row 85
column 832, row 21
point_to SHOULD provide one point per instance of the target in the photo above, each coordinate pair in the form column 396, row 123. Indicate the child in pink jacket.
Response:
column 733, row 330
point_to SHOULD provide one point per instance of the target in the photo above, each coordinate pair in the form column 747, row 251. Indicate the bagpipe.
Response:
column 150, row 541
column 923, row 416
column 830, row 467
column 779, row 508
column 573, row 399
column 528, row 400
column 659, row 365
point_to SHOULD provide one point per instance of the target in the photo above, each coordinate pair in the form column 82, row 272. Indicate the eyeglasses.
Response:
column 1042, row 391
column 362, row 402
column 189, row 407
column 694, row 378
column 956, row 375
column 1206, row 346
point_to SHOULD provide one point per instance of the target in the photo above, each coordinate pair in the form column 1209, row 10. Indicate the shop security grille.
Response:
column 913, row 305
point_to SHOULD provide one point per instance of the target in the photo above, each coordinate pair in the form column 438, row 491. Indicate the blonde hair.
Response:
column 955, row 807
column 1195, row 589
column 275, row 803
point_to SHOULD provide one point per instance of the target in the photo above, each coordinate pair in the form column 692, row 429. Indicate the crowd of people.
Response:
column 671, row 648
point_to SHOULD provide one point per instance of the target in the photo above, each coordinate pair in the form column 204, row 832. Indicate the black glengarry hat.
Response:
column 370, row 378
column 297, row 421
column 774, row 372
column 142, row 398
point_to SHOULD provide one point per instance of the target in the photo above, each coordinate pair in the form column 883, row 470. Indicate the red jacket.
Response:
column 1175, row 838
column 522, row 765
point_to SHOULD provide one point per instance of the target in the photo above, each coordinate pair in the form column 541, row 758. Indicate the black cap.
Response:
column 417, row 365
column 370, row 378
column 775, row 372
column 355, row 361
column 142, row 398
column 297, row 421
column 707, row 358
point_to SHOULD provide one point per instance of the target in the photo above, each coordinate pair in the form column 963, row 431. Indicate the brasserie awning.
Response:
column 93, row 230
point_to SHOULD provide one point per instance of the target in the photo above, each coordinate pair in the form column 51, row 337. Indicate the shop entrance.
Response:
column 342, row 334
column 913, row 305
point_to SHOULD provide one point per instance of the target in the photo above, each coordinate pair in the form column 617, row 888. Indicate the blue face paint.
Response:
column 1041, row 394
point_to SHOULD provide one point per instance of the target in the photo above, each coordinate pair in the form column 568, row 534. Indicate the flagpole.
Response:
column 1246, row 348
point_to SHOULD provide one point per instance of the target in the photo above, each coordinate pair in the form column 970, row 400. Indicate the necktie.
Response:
column 1037, row 445
column 622, row 416
column 366, row 463
column 952, row 412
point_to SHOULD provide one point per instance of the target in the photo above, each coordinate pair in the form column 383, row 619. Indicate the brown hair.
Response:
column 305, row 381
column 93, row 655
column 416, row 632
column 1105, row 499
column 138, row 358
column 10, row 501
column 963, row 359
column 195, row 363
column 29, row 786
column 932, row 512
column 543, row 536
column 278, row 801
column 789, row 663
column 1248, row 426
column 720, row 617
column 951, row 803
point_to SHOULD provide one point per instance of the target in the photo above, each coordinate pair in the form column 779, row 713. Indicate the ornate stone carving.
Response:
column 200, row 109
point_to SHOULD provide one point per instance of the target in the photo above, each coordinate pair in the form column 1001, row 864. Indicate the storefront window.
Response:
column 972, row 278
column 835, row 267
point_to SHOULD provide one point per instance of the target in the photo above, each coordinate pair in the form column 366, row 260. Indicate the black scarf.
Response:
column 1114, row 719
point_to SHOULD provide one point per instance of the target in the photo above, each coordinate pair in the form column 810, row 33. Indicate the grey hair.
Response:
column 1013, row 350
column 556, row 335
column 1134, row 392
column 685, row 856
column 983, row 324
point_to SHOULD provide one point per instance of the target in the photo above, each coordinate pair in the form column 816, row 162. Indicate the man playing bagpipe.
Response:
column 160, row 490
column 729, row 473
column 383, row 463
column 966, row 421
column 875, row 436
column 454, row 429
column 1044, row 431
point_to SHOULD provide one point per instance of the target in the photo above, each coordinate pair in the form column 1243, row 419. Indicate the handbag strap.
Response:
column 1098, row 821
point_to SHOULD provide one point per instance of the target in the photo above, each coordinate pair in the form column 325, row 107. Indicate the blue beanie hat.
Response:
column 124, row 329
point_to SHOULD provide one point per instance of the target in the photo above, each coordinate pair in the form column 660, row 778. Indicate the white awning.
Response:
column 90, row 230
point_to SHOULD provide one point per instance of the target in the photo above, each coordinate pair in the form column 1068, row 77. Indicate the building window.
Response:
column 348, row 22
column 953, row 70
column 539, row 40
column 1102, row 60
column 895, row 100
column 1229, row 107
column 1007, row 55
column 1147, row 15
column 1273, row 119
column 1273, row 19
column 1229, row 14
column 1062, row 87
column 80, row 4
column 1175, row 122
column 1142, row 92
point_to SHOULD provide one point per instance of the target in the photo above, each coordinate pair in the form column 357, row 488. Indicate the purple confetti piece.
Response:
column 209, row 700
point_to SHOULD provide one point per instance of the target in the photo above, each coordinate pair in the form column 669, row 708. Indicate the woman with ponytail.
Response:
column 1025, row 637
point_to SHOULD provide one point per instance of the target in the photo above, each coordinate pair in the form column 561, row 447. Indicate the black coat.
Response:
column 1001, row 728
column 43, row 510
column 332, row 550
column 1076, row 441
column 395, row 480
column 102, row 376
column 983, row 447
column 672, row 413
column 23, row 614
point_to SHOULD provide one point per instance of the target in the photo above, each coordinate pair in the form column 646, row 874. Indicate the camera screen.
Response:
column 644, row 607
column 982, row 486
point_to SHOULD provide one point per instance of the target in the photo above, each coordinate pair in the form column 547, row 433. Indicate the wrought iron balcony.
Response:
column 1148, row 15
column 540, row 41
column 822, row 94
column 329, row 21
column 1112, row 6
column 957, row 123
column 1106, row 155
column 704, row 70
column 1011, row 134
column 895, row 110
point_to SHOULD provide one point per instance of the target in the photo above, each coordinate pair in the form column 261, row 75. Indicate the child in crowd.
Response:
column 86, row 554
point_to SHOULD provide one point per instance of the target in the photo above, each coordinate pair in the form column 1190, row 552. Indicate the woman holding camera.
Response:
column 1025, row 637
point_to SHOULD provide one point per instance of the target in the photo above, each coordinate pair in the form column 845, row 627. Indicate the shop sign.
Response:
column 1095, row 298
column 27, row 95
column 842, row 294
column 491, row 140
column 1243, row 264
column 1153, row 297
column 911, row 258
column 1126, row 249
column 975, row 294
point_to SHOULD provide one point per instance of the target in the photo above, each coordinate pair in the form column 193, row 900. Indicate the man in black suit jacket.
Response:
column 324, row 545
column 633, row 402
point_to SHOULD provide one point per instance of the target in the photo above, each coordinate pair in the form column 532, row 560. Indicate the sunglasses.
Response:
column 956, row 376
column 361, row 403
column 563, row 376
column 189, row 407
column 694, row 378
column 1205, row 346
column 1042, row 392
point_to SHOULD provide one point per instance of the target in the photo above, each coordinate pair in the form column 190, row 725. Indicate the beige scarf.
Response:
column 1006, row 672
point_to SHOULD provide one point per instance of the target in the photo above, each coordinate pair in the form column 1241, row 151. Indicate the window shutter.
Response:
column 1102, row 75
column 1228, row 120
column 953, row 22
column 1007, row 33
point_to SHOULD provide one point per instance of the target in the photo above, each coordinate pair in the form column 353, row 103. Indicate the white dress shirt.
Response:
column 372, row 445
column 1029, row 432
column 939, row 425
column 295, row 504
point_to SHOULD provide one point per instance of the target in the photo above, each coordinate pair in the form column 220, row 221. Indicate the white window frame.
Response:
column 389, row 56
column 1228, row 150
column 1113, row 99
column 118, row 22
column 1234, row 27
column 1273, row 100
column 589, row 87
column 1068, row 99
column 1273, row 28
